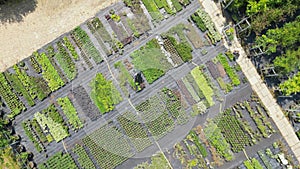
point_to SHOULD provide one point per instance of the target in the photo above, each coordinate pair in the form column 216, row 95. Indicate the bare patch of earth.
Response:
column 50, row 19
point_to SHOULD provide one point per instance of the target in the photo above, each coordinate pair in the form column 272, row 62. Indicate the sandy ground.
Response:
column 50, row 19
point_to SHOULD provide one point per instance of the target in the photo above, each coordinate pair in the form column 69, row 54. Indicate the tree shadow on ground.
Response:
column 15, row 10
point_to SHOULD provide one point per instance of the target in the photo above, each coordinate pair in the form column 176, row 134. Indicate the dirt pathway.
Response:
column 50, row 19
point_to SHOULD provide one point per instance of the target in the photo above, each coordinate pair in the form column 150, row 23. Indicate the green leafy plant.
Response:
column 13, row 102
column 104, row 94
column 71, row 48
column 83, row 158
column 86, row 44
column 65, row 61
column 229, row 70
column 49, row 73
column 70, row 112
column 203, row 85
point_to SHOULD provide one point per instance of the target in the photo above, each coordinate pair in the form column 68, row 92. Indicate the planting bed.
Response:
column 189, row 86
column 85, row 44
column 182, row 46
column 260, row 116
column 174, row 104
column 198, row 86
column 33, row 136
column 65, row 61
column 135, row 130
column 274, row 156
column 169, row 47
column 151, row 61
column 36, row 86
column 161, row 111
column 139, row 22
column 108, row 146
column 157, row 161
column 194, row 37
column 153, row 10
column 83, row 99
column 50, row 119
column 17, row 85
column 11, row 99
column 203, row 22
column 83, row 158
column 233, row 131
column 101, row 34
column 155, row 116
column 82, row 52
column 118, row 30
column 164, row 4
column 229, row 70
column 71, row 48
column 49, row 73
column 104, row 94
column 216, row 139
column 185, row 92
column 70, row 112
column 35, row 65
column 125, row 78
column 191, row 152
column 218, row 72
column 51, row 55
column 59, row 160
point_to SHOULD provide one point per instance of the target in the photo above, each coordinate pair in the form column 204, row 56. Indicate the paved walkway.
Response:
column 257, row 84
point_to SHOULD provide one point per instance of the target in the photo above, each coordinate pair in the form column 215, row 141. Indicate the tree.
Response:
column 291, row 86
column 288, row 62
column 254, row 7
column 287, row 36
